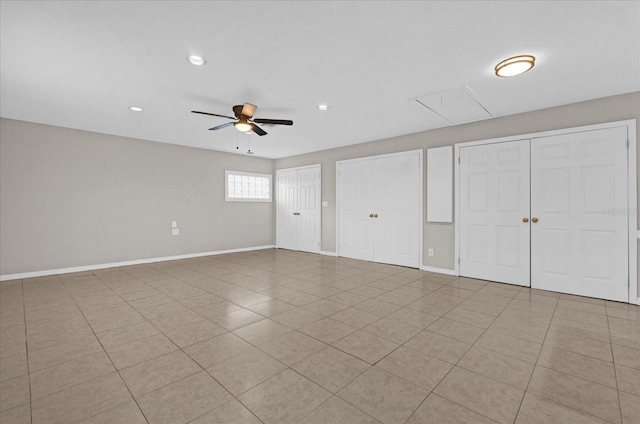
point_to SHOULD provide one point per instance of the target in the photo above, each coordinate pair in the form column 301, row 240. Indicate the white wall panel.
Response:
column 440, row 184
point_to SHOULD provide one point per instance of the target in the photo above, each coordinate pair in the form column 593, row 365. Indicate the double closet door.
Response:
column 548, row 213
column 379, row 208
column 299, row 209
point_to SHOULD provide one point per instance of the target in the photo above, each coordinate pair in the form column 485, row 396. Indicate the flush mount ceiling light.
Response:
column 197, row 60
column 323, row 106
column 515, row 66
column 135, row 108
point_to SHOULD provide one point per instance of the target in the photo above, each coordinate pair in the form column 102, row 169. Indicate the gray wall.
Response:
column 72, row 198
column 439, row 236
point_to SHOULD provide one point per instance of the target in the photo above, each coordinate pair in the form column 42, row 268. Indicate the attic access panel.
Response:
column 456, row 106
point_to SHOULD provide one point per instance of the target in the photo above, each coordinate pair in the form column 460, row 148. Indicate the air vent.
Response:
column 456, row 106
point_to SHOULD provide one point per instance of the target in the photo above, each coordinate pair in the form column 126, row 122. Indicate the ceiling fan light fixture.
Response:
column 243, row 125
column 515, row 65
column 196, row 60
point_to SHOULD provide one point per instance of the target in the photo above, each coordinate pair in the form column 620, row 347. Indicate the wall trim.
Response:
column 326, row 253
column 7, row 277
column 438, row 270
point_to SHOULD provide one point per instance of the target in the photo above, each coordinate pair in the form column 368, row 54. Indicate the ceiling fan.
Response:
column 243, row 119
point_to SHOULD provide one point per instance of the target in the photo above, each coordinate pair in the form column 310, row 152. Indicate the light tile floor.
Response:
column 281, row 337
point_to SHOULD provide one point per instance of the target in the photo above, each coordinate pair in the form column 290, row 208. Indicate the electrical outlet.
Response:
column 430, row 252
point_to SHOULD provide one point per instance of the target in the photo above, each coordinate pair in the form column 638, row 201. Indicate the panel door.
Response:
column 287, row 208
column 579, row 197
column 355, row 225
column 309, row 209
column 396, row 202
column 494, row 205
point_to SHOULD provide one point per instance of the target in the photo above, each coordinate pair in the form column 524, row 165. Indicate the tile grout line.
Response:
column 110, row 360
column 449, row 372
column 537, row 358
column 26, row 350
column 615, row 369
column 559, row 371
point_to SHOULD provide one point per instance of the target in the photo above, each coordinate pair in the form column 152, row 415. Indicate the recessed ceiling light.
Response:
column 515, row 66
column 197, row 60
column 136, row 108
column 322, row 106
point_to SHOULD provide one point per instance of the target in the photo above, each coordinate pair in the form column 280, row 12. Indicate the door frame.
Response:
column 632, row 198
column 420, row 153
column 318, row 199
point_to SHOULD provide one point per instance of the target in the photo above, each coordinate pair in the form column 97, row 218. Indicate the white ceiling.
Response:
column 82, row 64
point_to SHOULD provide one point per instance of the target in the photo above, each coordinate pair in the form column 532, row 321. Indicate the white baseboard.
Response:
column 126, row 263
column 638, row 302
column 324, row 252
column 438, row 270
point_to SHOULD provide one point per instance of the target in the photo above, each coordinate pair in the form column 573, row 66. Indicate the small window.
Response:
column 247, row 187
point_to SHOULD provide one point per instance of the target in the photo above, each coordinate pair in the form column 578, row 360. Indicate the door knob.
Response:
column 296, row 213
column 534, row 219
column 525, row 219
column 375, row 215
column 370, row 215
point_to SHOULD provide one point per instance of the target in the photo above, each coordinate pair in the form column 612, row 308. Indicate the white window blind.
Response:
column 247, row 187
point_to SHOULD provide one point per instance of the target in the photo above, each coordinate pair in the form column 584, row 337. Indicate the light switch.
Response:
column 325, row 204
column 175, row 232
column 174, row 224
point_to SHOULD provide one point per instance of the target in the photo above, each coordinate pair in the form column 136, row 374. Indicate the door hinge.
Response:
column 628, row 143
column 458, row 159
column 458, row 260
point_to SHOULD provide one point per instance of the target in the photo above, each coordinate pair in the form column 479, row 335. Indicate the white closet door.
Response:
column 396, row 207
column 579, row 196
column 309, row 209
column 355, row 225
column 494, row 203
column 287, row 207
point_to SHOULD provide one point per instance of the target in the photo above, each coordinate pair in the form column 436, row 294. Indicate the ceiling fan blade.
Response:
column 237, row 110
column 256, row 129
column 273, row 121
column 248, row 110
column 212, row 114
column 219, row 127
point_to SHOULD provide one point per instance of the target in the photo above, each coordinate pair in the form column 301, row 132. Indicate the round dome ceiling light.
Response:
column 243, row 125
column 135, row 108
column 323, row 106
column 197, row 60
column 515, row 66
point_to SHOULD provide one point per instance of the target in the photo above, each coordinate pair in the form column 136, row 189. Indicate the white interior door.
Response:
column 299, row 209
column 380, row 200
column 309, row 209
column 396, row 208
column 579, row 198
column 355, row 181
column 287, row 208
column 494, row 205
